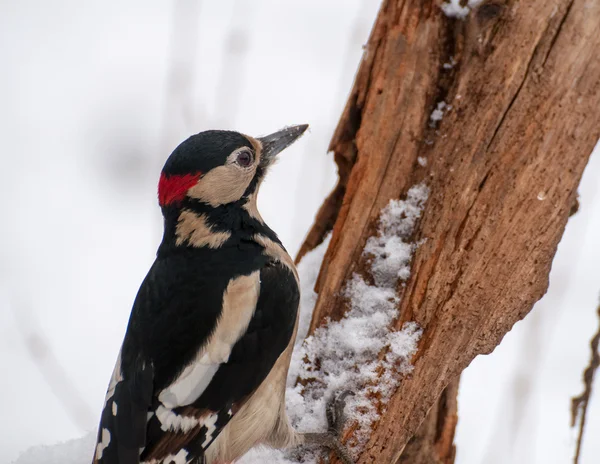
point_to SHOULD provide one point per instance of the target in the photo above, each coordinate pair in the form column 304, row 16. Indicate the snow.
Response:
column 76, row 451
column 390, row 250
column 450, row 64
column 262, row 455
column 438, row 113
column 344, row 354
column 308, row 271
column 454, row 9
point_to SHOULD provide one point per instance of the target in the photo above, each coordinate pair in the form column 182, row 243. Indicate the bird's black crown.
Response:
column 204, row 151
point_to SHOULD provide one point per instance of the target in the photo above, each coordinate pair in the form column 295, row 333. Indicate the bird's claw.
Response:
column 336, row 419
column 334, row 411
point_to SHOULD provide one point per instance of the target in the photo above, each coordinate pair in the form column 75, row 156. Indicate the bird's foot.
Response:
column 336, row 419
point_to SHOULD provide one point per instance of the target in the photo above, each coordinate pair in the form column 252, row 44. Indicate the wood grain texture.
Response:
column 433, row 442
column 503, row 166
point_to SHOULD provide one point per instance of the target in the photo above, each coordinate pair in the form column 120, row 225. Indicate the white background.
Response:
column 86, row 121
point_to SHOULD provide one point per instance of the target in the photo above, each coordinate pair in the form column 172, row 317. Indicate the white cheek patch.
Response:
column 101, row 446
column 222, row 185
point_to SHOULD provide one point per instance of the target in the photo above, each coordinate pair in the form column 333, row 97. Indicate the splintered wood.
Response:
column 502, row 158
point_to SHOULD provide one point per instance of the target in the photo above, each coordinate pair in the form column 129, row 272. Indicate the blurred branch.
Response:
column 52, row 371
column 579, row 404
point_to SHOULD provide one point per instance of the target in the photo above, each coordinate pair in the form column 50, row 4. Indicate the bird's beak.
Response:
column 276, row 142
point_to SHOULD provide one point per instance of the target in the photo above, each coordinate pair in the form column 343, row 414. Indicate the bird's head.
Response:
column 220, row 167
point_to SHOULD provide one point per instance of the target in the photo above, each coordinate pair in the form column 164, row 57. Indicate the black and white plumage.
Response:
column 201, row 372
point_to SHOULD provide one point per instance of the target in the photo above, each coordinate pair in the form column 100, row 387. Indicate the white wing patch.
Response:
column 180, row 457
column 239, row 303
column 190, row 384
column 114, row 380
column 101, row 446
column 209, row 422
column 174, row 422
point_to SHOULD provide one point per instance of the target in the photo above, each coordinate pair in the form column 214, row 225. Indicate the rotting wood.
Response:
column 433, row 443
column 522, row 82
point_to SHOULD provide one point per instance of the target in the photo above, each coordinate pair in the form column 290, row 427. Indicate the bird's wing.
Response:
column 160, row 339
column 122, row 430
column 191, row 411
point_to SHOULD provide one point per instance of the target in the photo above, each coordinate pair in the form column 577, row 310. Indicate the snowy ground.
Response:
column 83, row 114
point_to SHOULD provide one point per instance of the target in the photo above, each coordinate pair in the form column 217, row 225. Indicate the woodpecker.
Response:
column 201, row 375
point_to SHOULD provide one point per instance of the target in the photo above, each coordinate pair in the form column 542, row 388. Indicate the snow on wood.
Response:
column 438, row 113
column 345, row 354
column 454, row 9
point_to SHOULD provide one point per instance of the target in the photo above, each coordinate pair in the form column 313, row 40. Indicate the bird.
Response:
column 201, row 374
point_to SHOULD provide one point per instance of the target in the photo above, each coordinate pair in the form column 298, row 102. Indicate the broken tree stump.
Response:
column 516, row 86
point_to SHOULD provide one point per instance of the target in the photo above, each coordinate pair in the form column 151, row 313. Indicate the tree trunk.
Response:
column 520, row 82
column 433, row 443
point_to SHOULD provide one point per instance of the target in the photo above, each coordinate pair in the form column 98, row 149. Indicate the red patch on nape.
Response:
column 172, row 189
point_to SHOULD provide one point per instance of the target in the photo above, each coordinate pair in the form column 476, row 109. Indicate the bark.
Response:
column 433, row 443
column 523, row 84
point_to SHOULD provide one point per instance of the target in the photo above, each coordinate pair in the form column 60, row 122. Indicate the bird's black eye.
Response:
column 244, row 158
